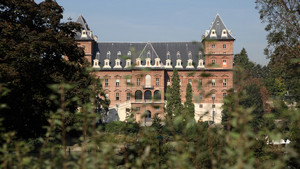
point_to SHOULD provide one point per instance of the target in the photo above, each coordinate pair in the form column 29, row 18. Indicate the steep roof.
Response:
column 85, row 27
column 216, row 30
column 156, row 49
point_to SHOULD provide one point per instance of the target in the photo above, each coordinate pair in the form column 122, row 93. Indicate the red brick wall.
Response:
column 218, row 53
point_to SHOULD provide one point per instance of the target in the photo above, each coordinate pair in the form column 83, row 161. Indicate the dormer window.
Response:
column 108, row 55
column 213, row 33
column 148, row 54
column 224, row 33
column 178, row 63
column 128, row 63
column 190, row 64
column 178, row 55
column 129, row 53
column 190, row 55
column 117, row 63
column 138, row 62
column 168, row 55
column 148, row 61
column 119, row 53
column 200, row 64
column 96, row 61
column 157, row 62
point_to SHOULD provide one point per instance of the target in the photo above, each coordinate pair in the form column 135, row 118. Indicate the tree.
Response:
column 174, row 106
column 33, row 43
column 189, row 106
column 282, row 18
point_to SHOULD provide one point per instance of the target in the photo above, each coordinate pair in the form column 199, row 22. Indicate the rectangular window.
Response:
column 213, row 82
column 213, row 46
column 213, row 96
column 213, row 62
column 201, row 97
column 200, row 105
column 138, row 82
column 117, row 96
column 168, row 82
column 127, row 82
column 128, row 96
column 137, row 108
column 190, row 81
column 224, row 82
column 157, row 82
column 117, row 82
column 200, row 82
column 106, row 82
column 157, row 108
column 224, row 94
column 224, row 62
column 224, row 46
column 213, row 106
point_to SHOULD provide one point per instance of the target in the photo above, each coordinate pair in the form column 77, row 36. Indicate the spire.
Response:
column 218, row 30
column 82, row 22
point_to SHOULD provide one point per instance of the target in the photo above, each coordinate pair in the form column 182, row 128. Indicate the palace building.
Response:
column 135, row 76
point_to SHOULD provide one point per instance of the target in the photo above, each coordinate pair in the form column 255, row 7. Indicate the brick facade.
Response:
column 124, row 86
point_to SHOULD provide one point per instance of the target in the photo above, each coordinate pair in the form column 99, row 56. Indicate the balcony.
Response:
column 148, row 87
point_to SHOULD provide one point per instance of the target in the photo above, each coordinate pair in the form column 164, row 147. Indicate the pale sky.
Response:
column 171, row 21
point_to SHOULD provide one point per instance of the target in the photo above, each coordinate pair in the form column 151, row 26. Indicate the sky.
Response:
column 171, row 21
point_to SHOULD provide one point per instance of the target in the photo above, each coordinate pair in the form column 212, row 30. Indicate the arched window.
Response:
column 147, row 116
column 148, row 81
column 147, row 95
column 138, row 95
column 157, row 95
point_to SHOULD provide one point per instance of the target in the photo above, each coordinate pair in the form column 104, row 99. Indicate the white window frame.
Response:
column 127, row 96
column 117, row 96
column 127, row 82
column 157, row 81
column 224, row 82
column 106, row 82
column 138, row 83
column 117, row 82
column 213, row 82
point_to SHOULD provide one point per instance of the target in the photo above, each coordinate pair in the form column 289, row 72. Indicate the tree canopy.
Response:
column 33, row 44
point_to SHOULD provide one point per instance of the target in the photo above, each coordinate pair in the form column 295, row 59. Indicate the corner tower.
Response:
column 218, row 46
column 85, row 38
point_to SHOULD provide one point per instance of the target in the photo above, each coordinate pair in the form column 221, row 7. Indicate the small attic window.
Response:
column 108, row 55
column 190, row 54
column 129, row 53
column 119, row 53
column 148, row 54
column 178, row 55
column 168, row 55
column 213, row 32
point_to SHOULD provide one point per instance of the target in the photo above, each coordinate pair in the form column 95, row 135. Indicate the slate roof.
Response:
column 218, row 26
column 156, row 49
column 85, row 26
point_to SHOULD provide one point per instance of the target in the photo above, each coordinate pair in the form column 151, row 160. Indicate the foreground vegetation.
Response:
column 41, row 126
